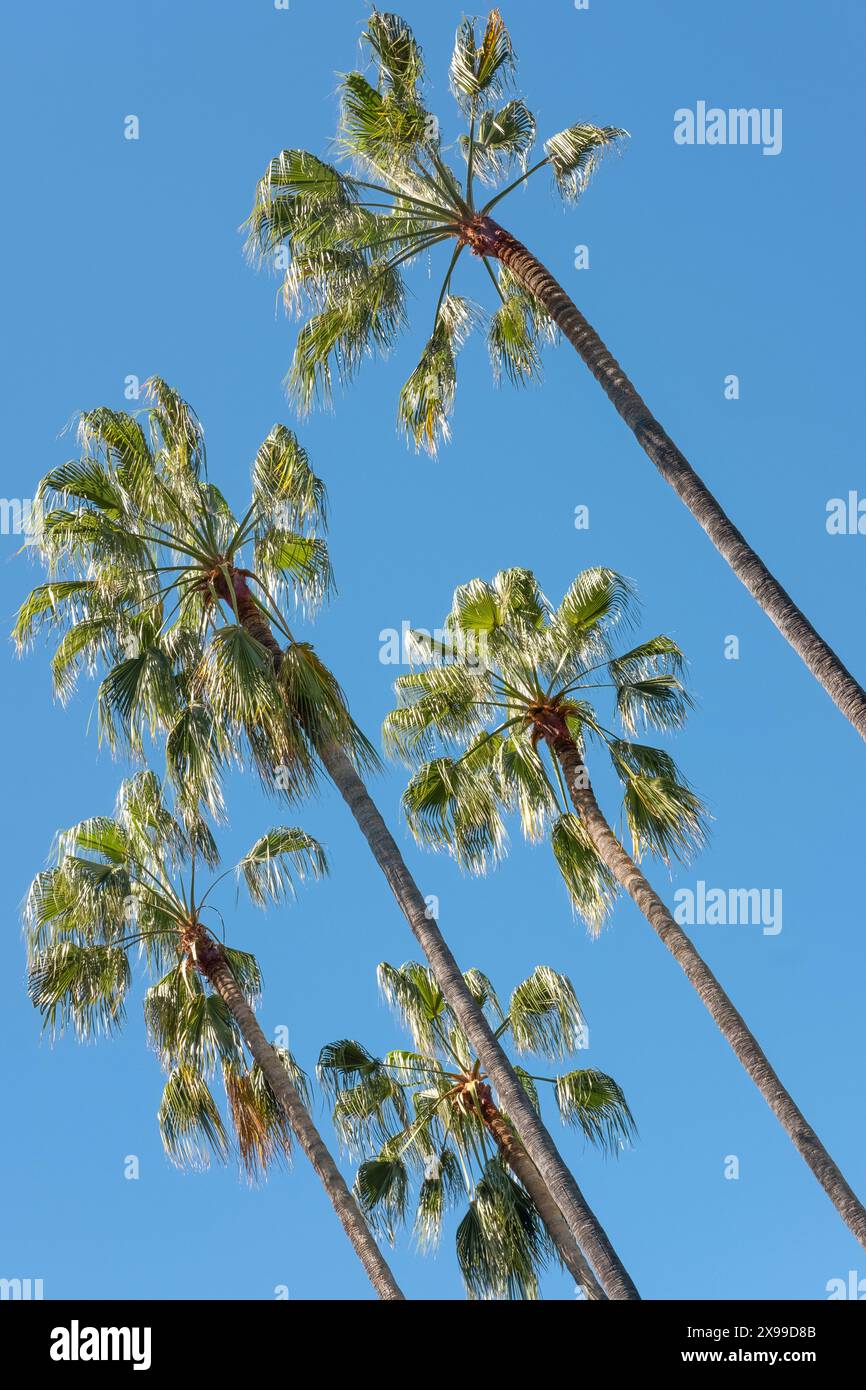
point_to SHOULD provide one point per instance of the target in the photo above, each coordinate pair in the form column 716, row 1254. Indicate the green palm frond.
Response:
column 526, row 784
column 175, row 428
column 285, row 488
column 591, row 885
column 427, row 399
column 276, row 859
column 545, row 1015
column 384, row 126
column 438, row 1193
column 80, row 987
column 503, row 136
column 345, row 1063
column 190, row 1123
column 196, row 755
column 382, row 1191
column 396, row 52
column 665, row 817
column 501, row 1244
column 512, row 341
column 574, row 155
column 413, row 993
column 185, row 1024
column 595, row 1104
column 456, row 806
column 245, row 969
column 481, row 68
column 445, row 700
column 362, row 317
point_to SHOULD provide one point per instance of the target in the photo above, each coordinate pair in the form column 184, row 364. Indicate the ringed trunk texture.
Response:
column 523, row 1168
column 714, row 998
column 217, row 970
column 489, row 238
column 582, row 1222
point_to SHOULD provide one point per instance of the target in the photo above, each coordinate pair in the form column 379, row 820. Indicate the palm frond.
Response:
column 595, row 1104
column 427, row 399
column 574, row 155
column 591, row 885
column 190, row 1123
column 276, row 859
column 82, row 987
column 545, row 1015
column 481, row 69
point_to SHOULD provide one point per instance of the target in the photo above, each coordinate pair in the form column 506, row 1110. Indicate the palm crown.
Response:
column 429, row 1118
column 347, row 235
column 126, row 885
column 509, row 673
column 152, row 578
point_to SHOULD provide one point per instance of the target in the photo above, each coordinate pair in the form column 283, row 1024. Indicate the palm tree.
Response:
column 431, row 1114
column 346, row 236
column 510, row 689
column 152, row 578
column 118, row 884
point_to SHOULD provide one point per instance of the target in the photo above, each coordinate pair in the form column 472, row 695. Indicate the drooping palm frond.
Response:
column 501, row 1242
column 574, row 155
column 82, row 987
column 595, row 1104
column 190, row 1123
column 269, row 869
column 545, row 1015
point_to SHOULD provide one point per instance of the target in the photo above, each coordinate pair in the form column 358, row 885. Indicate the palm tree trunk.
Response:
column 581, row 1220
column 523, row 1168
column 488, row 238
column 213, row 963
column 714, row 998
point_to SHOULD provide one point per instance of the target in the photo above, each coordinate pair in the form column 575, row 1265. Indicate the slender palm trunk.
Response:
column 486, row 237
column 714, row 998
column 581, row 1220
column 511, row 1149
column 213, row 963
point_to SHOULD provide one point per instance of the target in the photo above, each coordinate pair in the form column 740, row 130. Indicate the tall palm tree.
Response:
column 152, row 578
column 346, row 235
column 511, row 691
column 432, row 1116
column 127, row 883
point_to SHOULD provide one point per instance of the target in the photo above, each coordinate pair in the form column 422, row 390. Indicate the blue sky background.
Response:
column 123, row 258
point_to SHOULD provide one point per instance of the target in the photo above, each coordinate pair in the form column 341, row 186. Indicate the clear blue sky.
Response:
column 123, row 258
